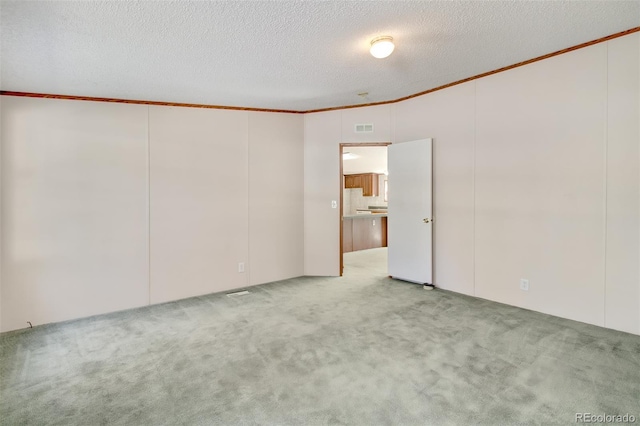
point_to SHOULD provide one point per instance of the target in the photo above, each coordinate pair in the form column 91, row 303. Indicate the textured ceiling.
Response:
column 295, row 55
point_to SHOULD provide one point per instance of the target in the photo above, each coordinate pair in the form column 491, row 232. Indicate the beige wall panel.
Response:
column 199, row 201
column 321, row 186
column 74, row 209
column 379, row 116
column 622, row 284
column 276, row 196
column 1, row 135
column 447, row 116
column 536, row 176
column 539, row 185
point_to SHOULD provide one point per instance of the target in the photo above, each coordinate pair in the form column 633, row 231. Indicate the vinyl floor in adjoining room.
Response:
column 358, row 350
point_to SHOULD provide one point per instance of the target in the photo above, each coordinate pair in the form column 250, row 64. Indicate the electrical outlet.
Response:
column 241, row 267
column 524, row 284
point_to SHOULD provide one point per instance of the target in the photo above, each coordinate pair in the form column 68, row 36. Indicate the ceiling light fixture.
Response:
column 349, row 156
column 381, row 47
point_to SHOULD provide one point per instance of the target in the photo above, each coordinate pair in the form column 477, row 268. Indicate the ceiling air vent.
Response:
column 364, row 128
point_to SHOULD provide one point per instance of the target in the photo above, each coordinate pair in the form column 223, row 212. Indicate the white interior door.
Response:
column 410, row 221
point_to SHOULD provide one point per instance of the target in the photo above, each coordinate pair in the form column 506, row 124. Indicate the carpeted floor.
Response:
column 360, row 350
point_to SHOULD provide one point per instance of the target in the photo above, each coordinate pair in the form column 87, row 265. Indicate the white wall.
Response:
column 622, row 293
column 536, row 175
column 74, row 209
column 323, row 133
column 379, row 116
column 112, row 206
column 1, row 213
column 199, row 201
column 448, row 117
column 540, row 185
column 276, row 197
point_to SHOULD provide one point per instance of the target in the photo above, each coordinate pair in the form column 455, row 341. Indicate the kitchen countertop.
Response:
column 352, row 216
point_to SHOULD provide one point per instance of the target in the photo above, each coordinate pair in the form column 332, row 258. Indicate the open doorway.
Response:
column 363, row 206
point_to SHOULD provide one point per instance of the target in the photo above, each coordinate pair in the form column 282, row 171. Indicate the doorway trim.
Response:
column 341, row 179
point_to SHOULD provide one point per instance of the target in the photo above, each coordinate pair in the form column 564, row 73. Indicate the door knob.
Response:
column 427, row 220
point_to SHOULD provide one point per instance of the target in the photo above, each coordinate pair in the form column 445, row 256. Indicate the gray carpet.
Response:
column 359, row 350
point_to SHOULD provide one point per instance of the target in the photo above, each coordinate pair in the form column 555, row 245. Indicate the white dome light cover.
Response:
column 381, row 47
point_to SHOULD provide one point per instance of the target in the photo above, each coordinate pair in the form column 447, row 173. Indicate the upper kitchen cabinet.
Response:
column 352, row 181
column 367, row 181
column 379, row 119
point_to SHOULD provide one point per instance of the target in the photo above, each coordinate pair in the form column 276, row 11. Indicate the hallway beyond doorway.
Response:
column 370, row 263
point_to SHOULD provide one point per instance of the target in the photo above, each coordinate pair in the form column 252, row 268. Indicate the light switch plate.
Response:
column 334, row 204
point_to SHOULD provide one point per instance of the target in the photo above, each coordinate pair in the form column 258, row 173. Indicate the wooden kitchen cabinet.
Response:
column 376, row 233
column 347, row 235
column 383, row 223
column 367, row 181
column 363, row 232
column 370, row 185
column 353, row 181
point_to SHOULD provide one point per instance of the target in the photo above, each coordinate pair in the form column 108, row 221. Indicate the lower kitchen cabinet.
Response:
column 362, row 233
column 347, row 234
